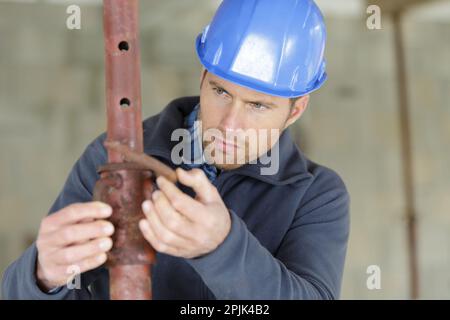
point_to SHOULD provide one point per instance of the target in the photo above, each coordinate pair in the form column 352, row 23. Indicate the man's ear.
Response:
column 202, row 76
column 297, row 110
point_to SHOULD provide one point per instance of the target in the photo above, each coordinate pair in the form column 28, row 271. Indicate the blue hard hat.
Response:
column 271, row 46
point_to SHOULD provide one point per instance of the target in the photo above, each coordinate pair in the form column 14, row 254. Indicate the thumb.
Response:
column 197, row 180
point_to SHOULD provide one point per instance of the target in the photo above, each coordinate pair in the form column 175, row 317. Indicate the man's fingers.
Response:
column 170, row 218
column 76, row 253
column 66, row 273
column 180, row 201
column 78, row 233
column 197, row 180
column 92, row 262
column 75, row 213
column 163, row 234
column 156, row 243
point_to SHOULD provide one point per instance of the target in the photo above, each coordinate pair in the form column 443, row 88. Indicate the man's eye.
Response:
column 259, row 106
column 219, row 91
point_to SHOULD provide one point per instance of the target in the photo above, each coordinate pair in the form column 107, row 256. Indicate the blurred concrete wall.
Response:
column 52, row 106
column 353, row 126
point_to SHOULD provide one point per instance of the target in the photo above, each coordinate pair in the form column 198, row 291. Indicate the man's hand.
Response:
column 181, row 226
column 74, row 238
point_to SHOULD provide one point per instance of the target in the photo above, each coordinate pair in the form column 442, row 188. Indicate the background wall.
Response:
column 52, row 106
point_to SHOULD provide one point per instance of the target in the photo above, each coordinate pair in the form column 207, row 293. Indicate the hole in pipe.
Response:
column 125, row 103
column 123, row 46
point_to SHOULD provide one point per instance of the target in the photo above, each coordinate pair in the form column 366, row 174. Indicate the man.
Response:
column 229, row 229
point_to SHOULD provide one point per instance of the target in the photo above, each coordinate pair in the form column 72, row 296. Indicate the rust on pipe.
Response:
column 125, row 185
column 122, row 68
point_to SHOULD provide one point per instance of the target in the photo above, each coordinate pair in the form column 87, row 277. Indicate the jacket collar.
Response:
column 157, row 142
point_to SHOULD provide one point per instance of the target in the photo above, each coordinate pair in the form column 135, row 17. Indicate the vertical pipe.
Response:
column 122, row 67
column 124, row 124
column 406, row 155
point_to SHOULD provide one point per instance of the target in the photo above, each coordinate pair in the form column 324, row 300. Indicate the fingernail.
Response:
column 108, row 229
column 144, row 224
column 160, row 180
column 146, row 206
column 105, row 209
column 105, row 244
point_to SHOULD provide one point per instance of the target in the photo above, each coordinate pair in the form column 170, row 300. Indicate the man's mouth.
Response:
column 225, row 146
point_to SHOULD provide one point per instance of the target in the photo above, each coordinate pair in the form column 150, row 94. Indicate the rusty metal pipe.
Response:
column 123, row 185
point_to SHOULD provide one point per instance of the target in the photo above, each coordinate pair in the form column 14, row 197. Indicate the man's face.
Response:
column 239, row 124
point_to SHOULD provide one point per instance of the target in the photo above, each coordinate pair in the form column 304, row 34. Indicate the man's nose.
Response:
column 232, row 119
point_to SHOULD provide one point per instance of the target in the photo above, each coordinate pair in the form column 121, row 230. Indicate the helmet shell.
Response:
column 271, row 46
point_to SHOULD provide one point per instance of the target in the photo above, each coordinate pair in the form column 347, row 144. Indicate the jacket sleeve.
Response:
column 19, row 279
column 308, row 264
